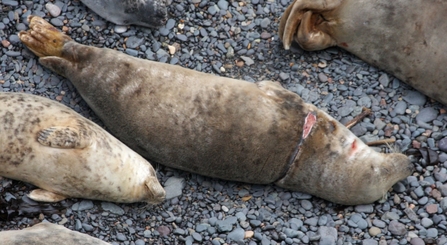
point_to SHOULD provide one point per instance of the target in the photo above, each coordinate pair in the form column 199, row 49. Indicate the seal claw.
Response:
column 42, row 38
column 40, row 195
column 62, row 137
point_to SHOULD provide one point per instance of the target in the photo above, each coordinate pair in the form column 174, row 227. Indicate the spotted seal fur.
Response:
column 47, row 234
column 47, row 144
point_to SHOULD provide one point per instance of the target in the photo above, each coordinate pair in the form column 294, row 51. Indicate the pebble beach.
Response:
column 238, row 39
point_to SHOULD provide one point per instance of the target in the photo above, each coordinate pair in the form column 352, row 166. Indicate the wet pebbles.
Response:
column 239, row 39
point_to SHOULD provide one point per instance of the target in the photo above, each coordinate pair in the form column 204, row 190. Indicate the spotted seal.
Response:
column 403, row 37
column 47, row 234
column 47, row 144
column 220, row 127
column 148, row 13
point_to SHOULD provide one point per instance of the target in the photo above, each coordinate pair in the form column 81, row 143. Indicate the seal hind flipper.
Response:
column 62, row 137
column 41, row 195
column 42, row 38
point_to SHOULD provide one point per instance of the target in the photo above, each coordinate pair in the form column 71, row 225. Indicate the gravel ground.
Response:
column 239, row 39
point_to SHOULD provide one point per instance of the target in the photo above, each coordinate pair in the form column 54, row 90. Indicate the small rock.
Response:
column 164, row 230
column 397, row 228
column 328, row 235
column 374, row 231
column 237, row 235
column 174, row 187
column 322, row 77
column 83, row 205
column 427, row 114
column 248, row 61
column 415, row 98
column 432, row 208
column 113, row 208
column 54, row 10
column 417, row 241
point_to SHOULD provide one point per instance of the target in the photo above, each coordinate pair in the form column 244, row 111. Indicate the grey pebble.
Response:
column 397, row 228
column 140, row 242
column 83, row 205
column 415, row 98
column 417, row 241
column 222, row 4
column 14, row 39
column 10, row 3
column 197, row 236
column 400, row 107
column 56, row 22
column 120, row 29
column 390, row 216
column 113, row 208
column 174, row 186
column 237, row 235
column 384, row 80
column 87, row 227
column 226, row 224
column 322, row 77
column 367, row 208
column 121, row 237
column 427, row 114
column 442, row 144
column 248, row 61
column 426, row 222
column 379, row 223
column 328, row 235
column 311, row 221
column 291, row 233
column 306, row 204
column 134, row 42
column 432, row 232
column 356, row 220
column 265, row 22
column 370, row 242
column 53, row 9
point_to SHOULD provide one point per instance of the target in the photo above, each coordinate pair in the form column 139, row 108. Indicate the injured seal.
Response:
column 404, row 38
column 47, row 144
column 220, row 127
column 148, row 13
column 47, row 234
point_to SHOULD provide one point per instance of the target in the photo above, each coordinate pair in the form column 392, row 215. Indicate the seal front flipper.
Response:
column 59, row 65
column 42, row 38
column 40, row 195
column 63, row 137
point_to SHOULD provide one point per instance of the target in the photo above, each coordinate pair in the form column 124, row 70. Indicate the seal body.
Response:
column 45, row 234
column 220, row 127
column 45, row 143
column 403, row 37
column 148, row 13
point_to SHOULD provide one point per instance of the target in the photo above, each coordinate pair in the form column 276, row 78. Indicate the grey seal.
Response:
column 403, row 37
column 47, row 144
column 220, row 127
